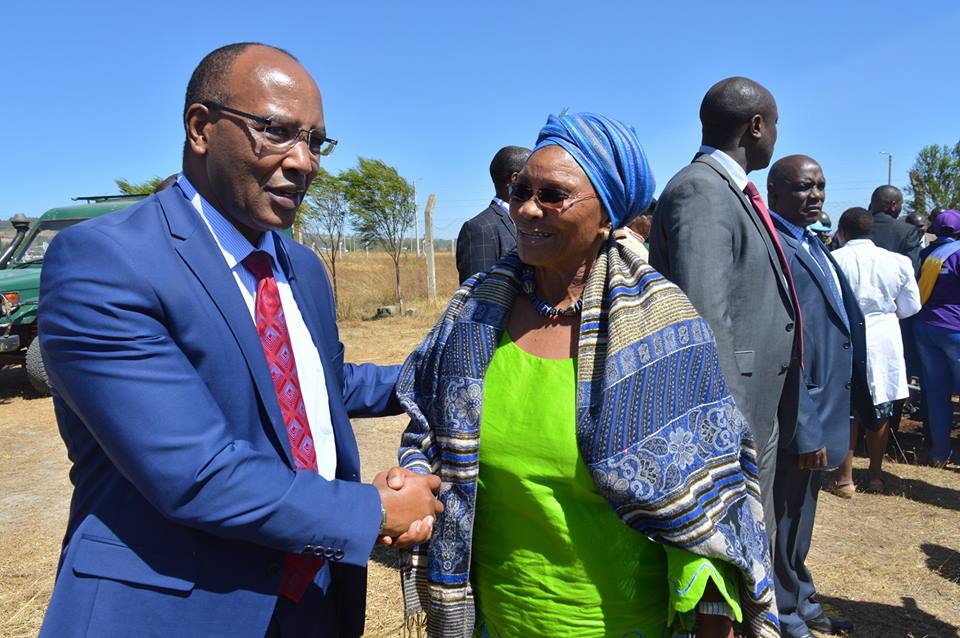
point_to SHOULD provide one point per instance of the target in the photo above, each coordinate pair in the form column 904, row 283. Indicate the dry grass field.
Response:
column 890, row 563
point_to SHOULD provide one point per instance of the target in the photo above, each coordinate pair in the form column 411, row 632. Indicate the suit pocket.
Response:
column 744, row 361
column 104, row 558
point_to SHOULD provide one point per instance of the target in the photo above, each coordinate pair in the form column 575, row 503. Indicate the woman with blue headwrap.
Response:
column 597, row 478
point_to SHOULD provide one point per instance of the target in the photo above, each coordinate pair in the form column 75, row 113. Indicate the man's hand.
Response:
column 813, row 460
column 410, row 505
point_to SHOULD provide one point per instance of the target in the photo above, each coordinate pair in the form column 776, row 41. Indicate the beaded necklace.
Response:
column 543, row 308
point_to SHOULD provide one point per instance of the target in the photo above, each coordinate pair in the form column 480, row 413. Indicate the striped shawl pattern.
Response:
column 656, row 427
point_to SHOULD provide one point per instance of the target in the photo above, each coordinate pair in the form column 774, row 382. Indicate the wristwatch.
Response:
column 383, row 518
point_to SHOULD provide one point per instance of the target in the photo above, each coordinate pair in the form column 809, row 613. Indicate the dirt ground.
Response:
column 890, row 563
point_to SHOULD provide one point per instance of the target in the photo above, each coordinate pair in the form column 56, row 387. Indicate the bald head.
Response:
column 886, row 199
column 740, row 114
column 209, row 80
column 796, row 189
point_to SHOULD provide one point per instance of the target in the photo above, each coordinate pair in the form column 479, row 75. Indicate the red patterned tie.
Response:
column 751, row 191
column 272, row 328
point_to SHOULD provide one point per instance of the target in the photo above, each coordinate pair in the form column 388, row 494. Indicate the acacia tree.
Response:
column 325, row 210
column 935, row 179
column 381, row 203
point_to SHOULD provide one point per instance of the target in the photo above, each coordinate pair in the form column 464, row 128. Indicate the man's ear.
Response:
column 196, row 121
column 756, row 126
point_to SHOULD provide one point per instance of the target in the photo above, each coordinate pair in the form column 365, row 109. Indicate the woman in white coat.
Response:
column 885, row 287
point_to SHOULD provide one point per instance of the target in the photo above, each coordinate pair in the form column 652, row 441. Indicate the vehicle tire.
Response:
column 36, row 372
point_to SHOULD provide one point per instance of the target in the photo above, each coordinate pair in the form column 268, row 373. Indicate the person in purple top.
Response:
column 937, row 330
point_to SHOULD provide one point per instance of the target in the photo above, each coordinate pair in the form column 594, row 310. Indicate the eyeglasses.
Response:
column 551, row 198
column 277, row 137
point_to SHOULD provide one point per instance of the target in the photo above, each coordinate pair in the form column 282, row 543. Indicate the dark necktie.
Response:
column 818, row 252
column 299, row 570
column 751, row 191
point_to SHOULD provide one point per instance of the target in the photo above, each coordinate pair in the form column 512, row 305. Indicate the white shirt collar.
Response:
column 734, row 170
column 233, row 245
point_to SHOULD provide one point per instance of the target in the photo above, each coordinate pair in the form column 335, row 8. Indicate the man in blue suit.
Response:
column 834, row 379
column 201, row 390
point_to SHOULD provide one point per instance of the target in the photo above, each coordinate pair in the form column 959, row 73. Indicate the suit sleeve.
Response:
column 911, row 248
column 808, row 436
column 112, row 360
column 693, row 246
column 477, row 248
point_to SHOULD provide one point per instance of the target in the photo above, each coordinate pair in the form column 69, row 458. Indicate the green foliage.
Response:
column 935, row 179
column 138, row 188
column 382, row 207
column 323, row 217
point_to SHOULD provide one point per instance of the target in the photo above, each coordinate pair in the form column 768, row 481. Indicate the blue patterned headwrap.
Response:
column 610, row 154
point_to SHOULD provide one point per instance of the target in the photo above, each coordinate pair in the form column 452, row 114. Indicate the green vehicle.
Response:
column 20, row 282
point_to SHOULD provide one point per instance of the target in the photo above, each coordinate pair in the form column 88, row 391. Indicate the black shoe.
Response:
column 827, row 625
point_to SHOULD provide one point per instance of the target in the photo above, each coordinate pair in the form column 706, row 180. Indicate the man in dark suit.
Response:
column 484, row 239
column 834, row 375
column 713, row 237
column 889, row 232
column 899, row 236
column 201, row 390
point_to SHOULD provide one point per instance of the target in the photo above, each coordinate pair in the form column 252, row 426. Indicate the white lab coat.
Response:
column 884, row 284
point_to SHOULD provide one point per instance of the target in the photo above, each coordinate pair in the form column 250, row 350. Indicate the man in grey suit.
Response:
column 718, row 244
column 889, row 232
column 484, row 239
column 834, row 377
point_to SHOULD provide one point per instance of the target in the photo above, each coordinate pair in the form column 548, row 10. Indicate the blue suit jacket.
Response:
column 834, row 359
column 185, row 497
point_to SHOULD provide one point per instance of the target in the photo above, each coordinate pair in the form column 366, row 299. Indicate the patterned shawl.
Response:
column 656, row 427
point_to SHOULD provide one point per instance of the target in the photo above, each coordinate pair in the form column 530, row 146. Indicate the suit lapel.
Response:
column 813, row 267
column 504, row 219
column 200, row 253
column 754, row 217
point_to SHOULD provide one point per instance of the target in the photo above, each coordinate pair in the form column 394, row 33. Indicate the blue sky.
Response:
column 94, row 90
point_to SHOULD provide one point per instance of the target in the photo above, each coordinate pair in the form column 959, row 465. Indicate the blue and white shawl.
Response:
column 656, row 427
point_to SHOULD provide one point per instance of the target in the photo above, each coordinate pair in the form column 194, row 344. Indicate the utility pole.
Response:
column 416, row 218
column 889, row 167
column 428, row 237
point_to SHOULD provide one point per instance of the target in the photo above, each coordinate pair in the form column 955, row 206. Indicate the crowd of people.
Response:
column 619, row 425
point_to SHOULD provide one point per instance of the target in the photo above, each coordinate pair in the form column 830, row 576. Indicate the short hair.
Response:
column 917, row 219
column 884, row 196
column 209, row 80
column 856, row 223
column 507, row 161
column 730, row 104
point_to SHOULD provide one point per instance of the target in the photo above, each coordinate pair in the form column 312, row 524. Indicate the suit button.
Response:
column 338, row 555
column 328, row 553
column 274, row 568
column 307, row 549
column 784, row 367
column 846, row 345
column 788, row 327
column 319, row 551
column 847, row 385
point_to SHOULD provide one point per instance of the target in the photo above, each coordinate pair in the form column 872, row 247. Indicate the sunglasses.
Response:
column 552, row 198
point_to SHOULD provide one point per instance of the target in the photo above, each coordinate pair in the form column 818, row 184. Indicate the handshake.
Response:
column 410, row 506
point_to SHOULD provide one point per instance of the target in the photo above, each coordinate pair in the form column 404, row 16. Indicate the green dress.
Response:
column 550, row 556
